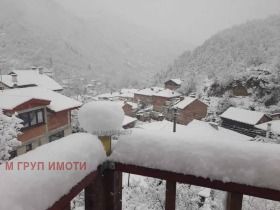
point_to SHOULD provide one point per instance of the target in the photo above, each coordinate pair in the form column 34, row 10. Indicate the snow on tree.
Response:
column 9, row 130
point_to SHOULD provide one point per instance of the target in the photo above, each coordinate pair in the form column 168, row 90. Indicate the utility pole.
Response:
column 174, row 118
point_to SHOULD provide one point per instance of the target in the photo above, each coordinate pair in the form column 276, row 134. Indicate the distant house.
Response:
column 271, row 127
column 127, row 95
column 129, row 122
column 189, row 109
column 275, row 116
column 29, row 78
column 130, row 108
column 113, row 96
column 243, row 121
column 160, row 98
column 146, row 95
column 46, row 115
column 173, row 84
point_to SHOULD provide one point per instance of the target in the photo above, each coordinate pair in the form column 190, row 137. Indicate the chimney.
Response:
column 41, row 70
column 14, row 78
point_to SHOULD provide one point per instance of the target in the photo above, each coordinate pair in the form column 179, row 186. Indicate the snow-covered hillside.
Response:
column 44, row 33
column 249, row 53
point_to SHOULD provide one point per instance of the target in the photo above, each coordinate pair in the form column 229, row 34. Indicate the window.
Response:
column 32, row 118
column 56, row 136
column 13, row 154
column 28, row 147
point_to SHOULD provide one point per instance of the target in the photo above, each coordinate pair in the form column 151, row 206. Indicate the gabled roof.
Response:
column 58, row 102
column 11, row 102
column 243, row 115
column 167, row 93
column 176, row 81
column 185, row 102
column 275, row 126
column 149, row 91
column 31, row 78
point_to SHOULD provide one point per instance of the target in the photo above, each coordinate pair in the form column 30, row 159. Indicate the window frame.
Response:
column 56, row 136
column 29, row 120
column 28, row 147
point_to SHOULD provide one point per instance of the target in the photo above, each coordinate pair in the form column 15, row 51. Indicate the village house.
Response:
column 189, row 109
column 173, row 84
column 244, row 121
column 130, row 108
column 29, row 78
column 46, row 115
column 270, row 128
column 160, row 98
column 275, row 116
column 146, row 95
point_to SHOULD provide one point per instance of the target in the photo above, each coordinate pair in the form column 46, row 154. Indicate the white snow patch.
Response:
column 39, row 189
column 196, row 127
column 99, row 116
column 244, row 162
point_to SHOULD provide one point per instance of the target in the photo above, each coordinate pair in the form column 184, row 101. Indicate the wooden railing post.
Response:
column 170, row 195
column 95, row 193
column 113, row 197
column 234, row 201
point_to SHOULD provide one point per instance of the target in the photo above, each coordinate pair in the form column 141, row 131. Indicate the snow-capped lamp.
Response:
column 102, row 118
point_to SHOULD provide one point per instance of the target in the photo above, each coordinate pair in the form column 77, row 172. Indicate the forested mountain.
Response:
column 44, row 33
column 247, row 52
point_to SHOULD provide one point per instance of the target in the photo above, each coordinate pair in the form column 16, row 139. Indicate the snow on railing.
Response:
column 249, row 163
column 37, row 179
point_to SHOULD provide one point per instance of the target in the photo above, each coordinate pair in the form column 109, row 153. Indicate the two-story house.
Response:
column 46, row 115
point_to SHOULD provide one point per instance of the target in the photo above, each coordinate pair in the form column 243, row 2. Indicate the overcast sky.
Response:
column 190, row 21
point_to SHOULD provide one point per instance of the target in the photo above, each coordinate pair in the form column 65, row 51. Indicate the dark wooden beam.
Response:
column 199, row 181
column 65, row 200
column 234, row 201
column 170, row 195
column 67, row 207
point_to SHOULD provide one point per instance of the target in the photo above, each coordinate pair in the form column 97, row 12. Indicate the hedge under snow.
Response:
column 99, row 117
column 39, row 189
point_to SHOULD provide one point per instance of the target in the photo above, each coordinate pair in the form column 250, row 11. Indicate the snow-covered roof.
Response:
column 275, row 126
column 31, row 77
column 109, row 95
column 125, row 90
column 58, row 103
column 197, row 127
column 242, row 115
column 149, row 91
column 205, row 156
column 127, row 120
column 167, row 93
column 127, row 95
column 176, row 81
column 8, row 102
column 39, row 188
column 185, row 102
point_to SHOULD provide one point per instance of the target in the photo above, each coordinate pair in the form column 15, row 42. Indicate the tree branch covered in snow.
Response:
column 9, row 130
